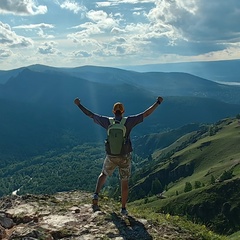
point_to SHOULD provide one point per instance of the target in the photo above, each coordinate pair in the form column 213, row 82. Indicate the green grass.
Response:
column 211, row 155
column 235, row 236
column 197, row 230
column 221, row 154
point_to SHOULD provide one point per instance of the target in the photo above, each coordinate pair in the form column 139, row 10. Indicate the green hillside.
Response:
column 202, row 180
column 212, row 154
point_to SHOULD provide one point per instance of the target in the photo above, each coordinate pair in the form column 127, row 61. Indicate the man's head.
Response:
column 118, row 108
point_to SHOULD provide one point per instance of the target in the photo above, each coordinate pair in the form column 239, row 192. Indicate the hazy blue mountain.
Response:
column 158, row 83
column 6, row 75
column 223, row 71
column 167, row 84
column 37, row 109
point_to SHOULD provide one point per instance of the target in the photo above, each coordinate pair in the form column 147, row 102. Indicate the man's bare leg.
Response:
column 124, row 186
column 100, row 182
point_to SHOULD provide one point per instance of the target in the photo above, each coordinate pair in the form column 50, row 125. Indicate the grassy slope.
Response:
column 212, row 155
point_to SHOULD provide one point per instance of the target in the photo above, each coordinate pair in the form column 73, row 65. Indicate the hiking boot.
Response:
column 95, row 199
column 95, row 202
column 95, row 208
column 124, row 212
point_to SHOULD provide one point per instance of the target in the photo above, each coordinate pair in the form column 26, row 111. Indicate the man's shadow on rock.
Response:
column 130, row 229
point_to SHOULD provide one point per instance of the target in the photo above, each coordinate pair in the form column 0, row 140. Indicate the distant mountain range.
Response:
column 222, row 71
column 37, row 109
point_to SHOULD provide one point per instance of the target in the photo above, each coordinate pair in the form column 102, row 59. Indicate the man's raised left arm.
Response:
column 151, row 109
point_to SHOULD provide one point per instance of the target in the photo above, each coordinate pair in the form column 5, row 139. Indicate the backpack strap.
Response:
column 112, row 120
column 123, row 120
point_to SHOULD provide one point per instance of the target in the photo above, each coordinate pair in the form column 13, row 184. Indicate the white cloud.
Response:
column 102, row 19
column 101, row 24
column 199, row 21
column 41, row 34
column 11, row 39
column 119, row 2
column 21, row 7
column 73, row 6
column 82, row 54
column 96, row 16
column 103, row 4
column 117, row 30
column 48, row 48
column 39, row 27
column 137, row 13
column 89, row 29
column 5, row 53
column 32, row 26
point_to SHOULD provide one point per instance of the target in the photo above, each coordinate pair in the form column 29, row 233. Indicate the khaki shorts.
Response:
column 122, row 162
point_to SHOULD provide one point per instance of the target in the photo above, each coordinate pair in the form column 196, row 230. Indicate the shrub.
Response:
column 188, row 187
column 226, row 175
column 197, row 184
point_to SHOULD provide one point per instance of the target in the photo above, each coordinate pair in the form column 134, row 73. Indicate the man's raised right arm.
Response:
column 83, row 109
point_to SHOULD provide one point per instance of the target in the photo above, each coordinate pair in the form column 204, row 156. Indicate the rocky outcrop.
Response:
column 69, row 215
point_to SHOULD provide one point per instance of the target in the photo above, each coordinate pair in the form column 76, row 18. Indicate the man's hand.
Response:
column 83, row 109
column 159, row 100
column 77, row 101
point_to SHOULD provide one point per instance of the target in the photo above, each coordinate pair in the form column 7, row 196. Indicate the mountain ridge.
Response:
column 222, row 70
column 169, row 84
column 42, row 106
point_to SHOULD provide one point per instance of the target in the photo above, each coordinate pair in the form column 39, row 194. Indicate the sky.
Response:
column 71, row 33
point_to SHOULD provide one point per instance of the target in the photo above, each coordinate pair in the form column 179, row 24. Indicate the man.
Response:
column 123, row 161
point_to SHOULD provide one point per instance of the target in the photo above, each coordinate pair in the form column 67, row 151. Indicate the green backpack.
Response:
column 116, row 133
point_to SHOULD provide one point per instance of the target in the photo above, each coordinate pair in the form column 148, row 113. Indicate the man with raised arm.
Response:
column 123, row 160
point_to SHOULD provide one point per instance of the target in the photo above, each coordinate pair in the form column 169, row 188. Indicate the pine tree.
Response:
column 156, row 186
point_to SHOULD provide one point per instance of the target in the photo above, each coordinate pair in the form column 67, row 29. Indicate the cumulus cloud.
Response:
column 100, row 23
column 89, row 29
column 73, row 6
column 198, row 20
column 11, row 39
column 102, row 19
column 117, row 30
column 41, row 34
column 39, row 27
column 21, row 7
column 82, row 54
column 48, row 48
column 96, row 16
column 5, row 53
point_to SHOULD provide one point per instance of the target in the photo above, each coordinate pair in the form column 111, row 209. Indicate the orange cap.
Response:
column 118, row 107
